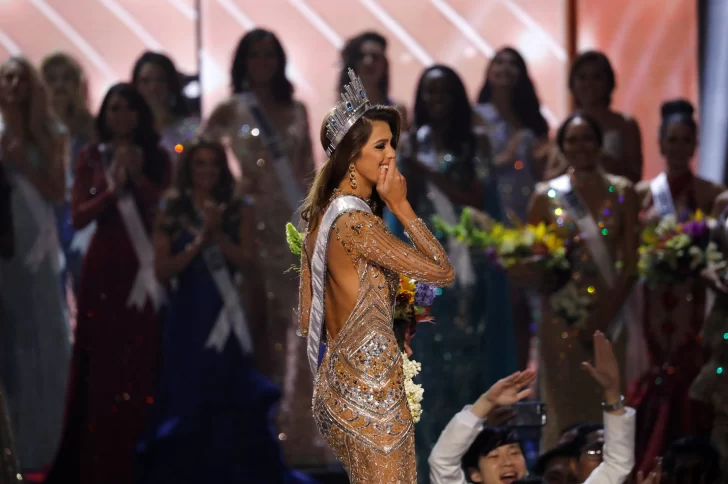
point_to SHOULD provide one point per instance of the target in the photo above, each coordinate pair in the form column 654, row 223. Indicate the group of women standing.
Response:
column 179, row 383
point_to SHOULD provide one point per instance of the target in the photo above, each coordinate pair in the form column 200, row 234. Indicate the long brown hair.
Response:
column 348, row 151
column 224, row 189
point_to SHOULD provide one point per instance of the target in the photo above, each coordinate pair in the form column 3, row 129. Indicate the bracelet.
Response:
column 614, row 406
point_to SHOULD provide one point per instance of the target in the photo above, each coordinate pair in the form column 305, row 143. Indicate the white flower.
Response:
column 415, row 392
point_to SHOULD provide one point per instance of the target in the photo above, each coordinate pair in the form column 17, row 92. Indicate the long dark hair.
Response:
column 224, row 189
column 145, row 135
column 351, row 54
column 524, row 99
column 336, row 167
column 281, row 87
column 596, row 57
column 176, row 101
column 459, row 136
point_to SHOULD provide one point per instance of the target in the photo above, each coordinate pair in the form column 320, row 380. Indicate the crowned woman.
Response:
column 349, row 275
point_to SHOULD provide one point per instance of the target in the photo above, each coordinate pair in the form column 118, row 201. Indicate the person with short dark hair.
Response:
column 466, row 450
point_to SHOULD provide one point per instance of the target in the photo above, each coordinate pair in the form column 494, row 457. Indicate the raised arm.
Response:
column 446, row 457
column 365, row 235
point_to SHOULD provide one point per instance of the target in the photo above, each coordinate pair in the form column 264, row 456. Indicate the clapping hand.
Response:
column 212, row 216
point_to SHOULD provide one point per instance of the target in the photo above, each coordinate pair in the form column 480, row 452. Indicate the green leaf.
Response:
column 294, row 239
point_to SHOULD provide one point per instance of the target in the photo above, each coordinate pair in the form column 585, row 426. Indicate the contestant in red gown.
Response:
column 116, row 355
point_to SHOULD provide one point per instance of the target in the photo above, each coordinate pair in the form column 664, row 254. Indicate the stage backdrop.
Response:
column 651, row 42
column 653, row 45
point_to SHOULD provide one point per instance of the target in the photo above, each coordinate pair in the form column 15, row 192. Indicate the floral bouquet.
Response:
column 673, row 251
column 506, row 246
column 411, row 307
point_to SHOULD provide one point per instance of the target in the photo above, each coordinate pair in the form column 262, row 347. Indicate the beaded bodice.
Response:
column 359, row 400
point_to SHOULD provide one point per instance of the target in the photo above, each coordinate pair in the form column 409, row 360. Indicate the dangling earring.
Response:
column 352, row 176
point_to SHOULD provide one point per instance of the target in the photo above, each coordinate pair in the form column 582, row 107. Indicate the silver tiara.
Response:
column 354, row 103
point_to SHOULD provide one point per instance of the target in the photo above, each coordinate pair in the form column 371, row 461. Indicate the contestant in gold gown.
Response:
column 349, row 278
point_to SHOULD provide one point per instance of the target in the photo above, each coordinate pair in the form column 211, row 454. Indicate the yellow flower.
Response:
column 406, row 284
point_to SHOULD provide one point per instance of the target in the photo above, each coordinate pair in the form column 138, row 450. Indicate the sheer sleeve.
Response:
column 304, row 293
column 365, row 235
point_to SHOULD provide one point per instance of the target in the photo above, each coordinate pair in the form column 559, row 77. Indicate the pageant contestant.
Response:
column 349, row 277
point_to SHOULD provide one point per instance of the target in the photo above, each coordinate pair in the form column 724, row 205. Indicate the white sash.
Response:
column 46, row 243
column 82, row 238
column 589, row 231
column 232, row 317
column 318, row 272
column 281, row 162
column 145, row 284
column 661, row 196
column 458, row 252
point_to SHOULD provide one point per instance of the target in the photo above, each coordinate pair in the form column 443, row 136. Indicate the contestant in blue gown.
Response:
column 471, row 345
column 212, row 416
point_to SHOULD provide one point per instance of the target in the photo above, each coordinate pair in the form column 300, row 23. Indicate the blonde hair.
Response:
column 77, row 116
column 39, row 119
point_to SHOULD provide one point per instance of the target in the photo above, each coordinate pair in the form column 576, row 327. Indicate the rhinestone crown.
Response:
column 354, row 103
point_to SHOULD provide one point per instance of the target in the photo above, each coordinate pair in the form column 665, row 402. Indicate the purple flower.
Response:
column 424, row 294
column 695, row 228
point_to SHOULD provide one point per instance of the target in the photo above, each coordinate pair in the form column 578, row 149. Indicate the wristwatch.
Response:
column 619, row 405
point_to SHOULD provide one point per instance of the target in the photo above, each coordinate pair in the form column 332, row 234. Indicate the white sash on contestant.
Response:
column 281, row 162
column 46, row 243
column 232, row 317
column 318, row 272
column 590, row 233
column 458, row 252
column 661, row 196
column 145, row 284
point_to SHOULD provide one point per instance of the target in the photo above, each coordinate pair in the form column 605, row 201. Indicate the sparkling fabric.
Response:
column 359, row 402
column 570, row 393
column 280, row 354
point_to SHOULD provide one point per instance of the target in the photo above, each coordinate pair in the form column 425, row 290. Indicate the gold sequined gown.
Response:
column 279, row 353
column 570, row 393
column 359, row 401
